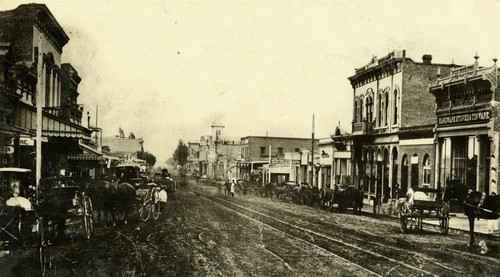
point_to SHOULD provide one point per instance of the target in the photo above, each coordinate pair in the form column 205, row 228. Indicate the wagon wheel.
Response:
column 88, row 217
column 444, row 220
column 420, row 224
column 403, row 223
column 43, row 247
column 403, row 217
column 444, row 224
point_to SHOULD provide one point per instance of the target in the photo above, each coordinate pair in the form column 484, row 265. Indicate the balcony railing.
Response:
column 362, row 128
column 72, row 114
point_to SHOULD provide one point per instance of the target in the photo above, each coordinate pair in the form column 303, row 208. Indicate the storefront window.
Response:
column 427, row 171
column 414, row 171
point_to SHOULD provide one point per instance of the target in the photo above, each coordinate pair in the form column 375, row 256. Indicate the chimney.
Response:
column 427, row 59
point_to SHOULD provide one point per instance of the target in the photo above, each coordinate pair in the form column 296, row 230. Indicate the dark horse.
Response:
column 349, row 197
column 325, row 195
column 112, row 200
column 475, row 204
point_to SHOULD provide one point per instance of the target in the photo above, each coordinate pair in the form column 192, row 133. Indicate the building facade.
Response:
column 216, row 154
column 392, row 128
column 467, row 128
column 26, row 32
column 259, row 151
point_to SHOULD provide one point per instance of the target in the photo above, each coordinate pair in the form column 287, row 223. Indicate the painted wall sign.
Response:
column 464, row 118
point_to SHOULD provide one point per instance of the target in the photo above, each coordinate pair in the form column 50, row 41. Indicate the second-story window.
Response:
column 361, row 109
column 356, row 111
column 262, row 150
column 396, row 103
column 379, row 110
column 280, row 151
column 386, row 117
column 369, row 109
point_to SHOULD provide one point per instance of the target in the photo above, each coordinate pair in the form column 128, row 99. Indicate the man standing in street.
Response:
column 233, row 187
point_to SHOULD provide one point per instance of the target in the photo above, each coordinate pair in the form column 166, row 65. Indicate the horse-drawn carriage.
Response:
column 343, row 197
column 424, row 203
column 23, row 224
column 64, row 201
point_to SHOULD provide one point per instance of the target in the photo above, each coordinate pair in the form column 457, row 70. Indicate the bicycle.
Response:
column 150, row 205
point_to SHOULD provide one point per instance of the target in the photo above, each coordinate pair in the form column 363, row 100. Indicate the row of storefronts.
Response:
column 415, row 124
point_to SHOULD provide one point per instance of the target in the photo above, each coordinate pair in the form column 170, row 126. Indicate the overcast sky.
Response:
column 165, row 69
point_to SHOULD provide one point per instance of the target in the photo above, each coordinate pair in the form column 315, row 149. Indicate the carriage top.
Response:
column 9, row 173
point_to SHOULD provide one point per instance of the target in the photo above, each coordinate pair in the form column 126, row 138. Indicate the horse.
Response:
column 101, row 194
column 325, row 195
column 475, row 204
column 112, row 200
column 349, row 197
column 267, row 190
column 124, row 199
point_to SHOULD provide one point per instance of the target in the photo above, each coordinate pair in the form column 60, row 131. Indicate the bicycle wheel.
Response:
column 145, row 210
column 155, row 210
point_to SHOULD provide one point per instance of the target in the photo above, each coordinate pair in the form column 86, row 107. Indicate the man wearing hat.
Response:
column 16, row 200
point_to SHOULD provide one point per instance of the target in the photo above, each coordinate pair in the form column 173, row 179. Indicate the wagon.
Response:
column 428, row 203
column 22, row 227
column 65, row 202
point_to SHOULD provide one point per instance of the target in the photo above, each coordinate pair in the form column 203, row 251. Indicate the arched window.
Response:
column 404, row 174
column 386, row 111
column 379, row 110
column 427, row 171
column 396, row 106
column 414, row 170
column 356, row 110
column 361, row 118
column 369, row 109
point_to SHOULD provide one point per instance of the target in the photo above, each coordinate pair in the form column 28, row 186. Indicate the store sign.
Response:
column 464, row 118
column 7, row 150
column 278, row 161
column 26, row 142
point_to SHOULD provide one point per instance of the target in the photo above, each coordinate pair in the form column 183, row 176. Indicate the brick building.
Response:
column 467, row 128
column 392, row 128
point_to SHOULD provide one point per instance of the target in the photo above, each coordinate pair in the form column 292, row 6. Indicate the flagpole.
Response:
column 39, row 93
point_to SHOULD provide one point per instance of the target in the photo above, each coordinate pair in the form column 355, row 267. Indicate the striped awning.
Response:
column 84, row 157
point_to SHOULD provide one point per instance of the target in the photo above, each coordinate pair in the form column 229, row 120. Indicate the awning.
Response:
column 11, row 130
column 52, row 126
column 89, row 149
column 84, row 157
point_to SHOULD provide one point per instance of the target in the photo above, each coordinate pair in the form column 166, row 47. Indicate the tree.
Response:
column 148, row 157
column 181, row 153
column 120, row 132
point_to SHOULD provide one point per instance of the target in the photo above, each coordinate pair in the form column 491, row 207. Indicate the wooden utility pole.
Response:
column 312, row 155
column 39, row 102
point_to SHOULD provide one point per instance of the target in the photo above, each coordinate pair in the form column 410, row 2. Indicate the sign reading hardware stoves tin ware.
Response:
column 464, row 118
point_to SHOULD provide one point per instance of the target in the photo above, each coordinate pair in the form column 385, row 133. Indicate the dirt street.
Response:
column 204, row 233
